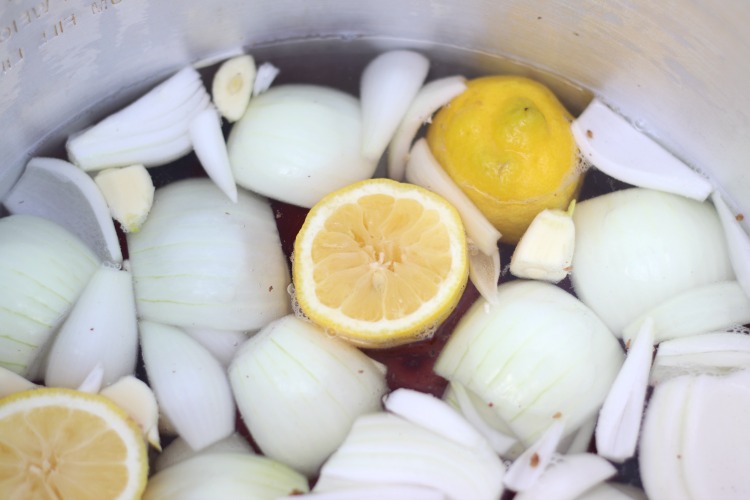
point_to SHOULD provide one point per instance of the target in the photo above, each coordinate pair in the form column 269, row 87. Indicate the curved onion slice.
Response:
column 179, row 450
column 208, row 142
column 60, row 192
column 738, row 242
column 388, row 86
column 525, row 471
column 223, row 344
column 431, row 97
column 616, row 148
column 569, row 476
column 11, row 382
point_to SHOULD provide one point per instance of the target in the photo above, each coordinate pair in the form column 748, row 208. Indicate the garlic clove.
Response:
column 211, row 150
column 621, row 151
column 138, row 401
column 233, row 85
column 60, row 192
column 545, row 251
column 129, row 192
column 431, row 97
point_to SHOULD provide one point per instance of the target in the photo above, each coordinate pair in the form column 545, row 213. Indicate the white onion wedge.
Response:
column 581, row 440
column 738, row 242
column 431, row 97
column 388, row 86
column 151, row 131
column 299, row 390
column 11, row 382
column 716, row 353
column 101, row 329
column 702, row 309
column 620, row 417
column 190, row 385
column 232, row 86
column 223, row 344
column 618, row 149
column 613, row 491
column 129, row 192
column 527, row 468
column 138, row 401
column 60, row 192
column 92, row 383
column 179, row 450
column 265, row 76
column 374, row 492
column 226, row 476
column 211, row 150
column 43, row 270
column 569, row 476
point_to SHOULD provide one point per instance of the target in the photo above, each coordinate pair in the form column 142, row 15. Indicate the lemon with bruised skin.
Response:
column 380, row 263
column 506, row 142
column 60, row 443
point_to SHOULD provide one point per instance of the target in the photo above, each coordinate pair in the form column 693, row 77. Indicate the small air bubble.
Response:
column 112, row 265
column 640, row 125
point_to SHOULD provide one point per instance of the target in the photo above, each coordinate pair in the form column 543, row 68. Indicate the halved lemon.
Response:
column 380, row 263
column 60, row 444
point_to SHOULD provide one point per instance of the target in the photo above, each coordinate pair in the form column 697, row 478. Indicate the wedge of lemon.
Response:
column 380, row 263
column 60, row 444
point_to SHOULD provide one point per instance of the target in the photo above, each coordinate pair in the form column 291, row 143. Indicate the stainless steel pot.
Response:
column 678, row 69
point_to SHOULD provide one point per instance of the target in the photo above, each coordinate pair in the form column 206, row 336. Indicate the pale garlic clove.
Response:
column 138, row 401
column 129, row 192
column 545, row 251
column 233, row 85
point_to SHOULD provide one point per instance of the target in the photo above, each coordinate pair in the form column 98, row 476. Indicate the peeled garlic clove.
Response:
column 100, row 329
column 738, row 242
column 11, row 382
column 190, row 385
column 431, row 97
column 618, row 149
column 233, row 85
column 211, row 150
column 545, row 251
column 527, row 468
column 179, row 450
column 129, row 192
column 60, row 192
column 138, row 401
column 267, row 73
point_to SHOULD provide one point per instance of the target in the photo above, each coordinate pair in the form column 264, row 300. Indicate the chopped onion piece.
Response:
column 484, row 271
column 93, row 381
column 43, row 270
column 738, row 242
column 717, row 353
column 374, row 492
column 527, row 468
column 618, row 149
column 151, row 131
column 60, row 192
column 699, row 310
column 299, row 391
column 137, row 399
column 621, row 414
column 265, row 76
column 190, row 385
column 388, row 86
column 581, row 440
column 11, row 382
column 223, row 344
column 568, row 477
column 639, row 247
column 431, row 97
column 613, row 491
column 225, row 475
column 211, row 150
column 100, row 329
column 179, row 450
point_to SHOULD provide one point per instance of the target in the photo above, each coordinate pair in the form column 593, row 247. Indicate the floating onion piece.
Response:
column 385, row 449
column 622, row 411
column 699, row 310
column 568, row 477
column 129, row 192
column 484, row 255
column 225, row 475
column 545, row 251
column 388, row 86
column 431, row 97
column 100, row 329
column 581, row 440
column 201, row 261
column 223, row 344
column 265, row 76
column 60, row 192
column 523, row 474
column 375, row 492
column 293, row 140
column 43, row 270
column 695, row 442
column 151, row 131
column 299, row 391
column 738, row 242
column 536, row 357
column 716, row 353
column 639, row 247
column 190, row 385
column 93, row 381
column 179, row 450
column 618, row 149
column 11, row 382
column 139, row 401
column 211, row 150
column 613, row 491
column 232, row 86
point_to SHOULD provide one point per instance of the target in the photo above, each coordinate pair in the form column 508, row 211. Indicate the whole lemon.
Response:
column 506, row 142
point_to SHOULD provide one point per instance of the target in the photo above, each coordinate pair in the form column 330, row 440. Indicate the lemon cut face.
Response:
column 380, row 263
column 66, row 444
